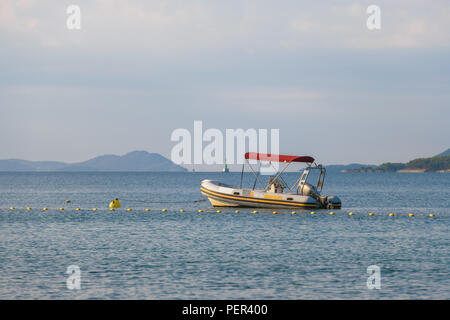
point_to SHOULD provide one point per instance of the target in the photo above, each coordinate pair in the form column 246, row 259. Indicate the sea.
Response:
column 181, row 253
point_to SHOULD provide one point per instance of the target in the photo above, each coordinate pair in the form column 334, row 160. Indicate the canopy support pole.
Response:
column 279, row 173
column 242, row 174
column 256, row 176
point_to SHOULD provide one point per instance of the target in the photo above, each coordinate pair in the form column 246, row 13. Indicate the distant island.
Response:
column 437, row 163
column 141, row 161
column 132, row 161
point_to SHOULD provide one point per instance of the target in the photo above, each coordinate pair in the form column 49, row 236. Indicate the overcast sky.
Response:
column 137, row 70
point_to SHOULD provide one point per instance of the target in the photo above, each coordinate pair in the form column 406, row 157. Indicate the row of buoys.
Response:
column 390, row 214
column 217, row 211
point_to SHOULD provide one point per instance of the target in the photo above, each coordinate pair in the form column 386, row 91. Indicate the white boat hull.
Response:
column 221, row 195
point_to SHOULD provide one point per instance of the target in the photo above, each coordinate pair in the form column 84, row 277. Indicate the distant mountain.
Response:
column 133, row 161
column 352, row 166
column 444, row 154
column 25, row 165
column 438, row 163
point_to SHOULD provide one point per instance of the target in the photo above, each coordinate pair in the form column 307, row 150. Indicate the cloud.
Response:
column 270, row 100
column 152, row 66
column 162, row 27
column 404, row 24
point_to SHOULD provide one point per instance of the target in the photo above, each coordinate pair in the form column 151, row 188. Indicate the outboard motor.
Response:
column 310, row 191
column 328, row 202
column 333, row 202
column 306, row 189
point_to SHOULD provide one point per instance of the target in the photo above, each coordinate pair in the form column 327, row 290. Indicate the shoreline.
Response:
column 399, row 171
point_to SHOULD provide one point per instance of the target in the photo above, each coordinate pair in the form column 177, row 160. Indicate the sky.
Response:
column 138, row 70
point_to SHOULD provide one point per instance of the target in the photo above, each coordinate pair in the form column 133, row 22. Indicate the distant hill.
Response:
column 347, row 167
column 444, row 154
column 133, row 161
column 25, row 165
column 438, row 163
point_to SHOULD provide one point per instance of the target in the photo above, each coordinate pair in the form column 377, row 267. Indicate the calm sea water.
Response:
column 209, row 255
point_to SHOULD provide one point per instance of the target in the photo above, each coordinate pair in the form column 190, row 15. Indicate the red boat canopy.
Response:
column 277, row 157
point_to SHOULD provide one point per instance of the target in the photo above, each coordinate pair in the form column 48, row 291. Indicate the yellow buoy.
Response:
column 129, row 209
column 431, row 214
column 391, row 214
column 332, row 213
column 61, row 209
column 370, row 213
column 28, row 208
column 115, row 203
column 312, row 212
column 255, row 211
column 147, row 209
column 275, row 212
column 411, row 214
column 77, row 209
column 45, row 209
column 67, row 201
column 237, row 211
column 293, row 212
column 350, row 213
column 11, row 208
column 218, row 211
column 95, row 209
column 181, row 210
column 164, row 210
column 200, row 210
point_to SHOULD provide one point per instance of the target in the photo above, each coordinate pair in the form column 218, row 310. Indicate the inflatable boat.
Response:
column 276, row 194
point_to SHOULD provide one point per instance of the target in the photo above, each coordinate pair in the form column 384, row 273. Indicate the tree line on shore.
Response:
column 428, row 164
